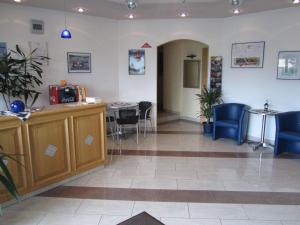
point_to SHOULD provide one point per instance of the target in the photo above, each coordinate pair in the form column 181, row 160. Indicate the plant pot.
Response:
column 207, row 128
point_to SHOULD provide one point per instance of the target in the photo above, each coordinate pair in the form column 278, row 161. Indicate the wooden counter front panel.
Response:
column 49, row 150
column 55, row 144
column 11, row 141
column 89, row 150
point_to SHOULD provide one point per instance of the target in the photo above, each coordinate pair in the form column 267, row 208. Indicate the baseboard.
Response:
column 190, row 119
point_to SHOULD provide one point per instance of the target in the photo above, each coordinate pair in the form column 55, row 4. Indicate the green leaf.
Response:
column 9, row 187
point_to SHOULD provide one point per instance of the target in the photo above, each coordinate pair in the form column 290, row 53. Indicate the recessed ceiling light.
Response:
column 18, row 1
column 236, row 11
column 81, row 9
column 296, row 1
column 183, row 14
column 131, row 16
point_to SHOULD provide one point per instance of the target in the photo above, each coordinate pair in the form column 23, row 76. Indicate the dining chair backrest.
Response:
column 144, row 106
column 128, row 116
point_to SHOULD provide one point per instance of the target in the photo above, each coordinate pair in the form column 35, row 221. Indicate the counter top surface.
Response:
column 60, row 108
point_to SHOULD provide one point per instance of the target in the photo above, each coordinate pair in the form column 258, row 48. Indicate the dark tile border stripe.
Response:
column 177, row 132
column 231, row 197
column 201, row 154
column 189, row 154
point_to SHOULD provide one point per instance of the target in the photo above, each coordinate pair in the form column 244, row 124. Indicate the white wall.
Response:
column 280, row 29
column 133, row 34
column 90, row 34
column 176, row 97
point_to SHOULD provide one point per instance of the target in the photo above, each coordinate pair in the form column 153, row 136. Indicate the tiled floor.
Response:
column 173, row 173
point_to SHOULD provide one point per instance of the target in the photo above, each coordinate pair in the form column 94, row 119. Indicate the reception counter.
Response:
column 54, row 144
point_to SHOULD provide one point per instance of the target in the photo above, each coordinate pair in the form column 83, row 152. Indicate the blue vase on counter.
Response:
column 17, row 106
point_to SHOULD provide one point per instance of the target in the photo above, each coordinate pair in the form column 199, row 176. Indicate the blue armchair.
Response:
column 287, row 137
column 230, row 121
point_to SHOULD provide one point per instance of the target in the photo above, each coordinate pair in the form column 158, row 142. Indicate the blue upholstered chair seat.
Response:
column 227, row 123
column 230, row 121
column 290, row 135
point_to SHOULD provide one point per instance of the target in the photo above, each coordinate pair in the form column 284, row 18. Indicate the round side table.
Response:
column 264, row 114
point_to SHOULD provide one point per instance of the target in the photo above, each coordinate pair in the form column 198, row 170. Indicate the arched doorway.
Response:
column 182, row 70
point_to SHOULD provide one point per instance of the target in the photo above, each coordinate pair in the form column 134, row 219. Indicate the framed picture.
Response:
column 136, row 61
column 216, row 67
column 248, row 55
column 3, row 49
column 288, row 67
column 79, row 62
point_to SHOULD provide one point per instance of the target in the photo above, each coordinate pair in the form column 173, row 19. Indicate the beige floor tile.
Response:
column 106, row 207
column 218, row 211
column 156, row 183
column 112, row 220
column 186, row 184
column 250, row 222
column 174, row 221
column 247, row 186
column 175, row 174
column 272, row 212
column 113, row 182
column 21, row 217
column 290, row 222
column 44, row 204
column 59, row 219
column 162, row 209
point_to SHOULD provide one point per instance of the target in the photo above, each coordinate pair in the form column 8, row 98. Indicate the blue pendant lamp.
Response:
column 66, row 34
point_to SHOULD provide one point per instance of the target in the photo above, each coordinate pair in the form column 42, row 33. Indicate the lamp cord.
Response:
column 65, row 14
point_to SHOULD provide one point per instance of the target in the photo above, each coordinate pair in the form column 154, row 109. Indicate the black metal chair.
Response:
column 128, row 118
column 145, row 114
column 110, row 120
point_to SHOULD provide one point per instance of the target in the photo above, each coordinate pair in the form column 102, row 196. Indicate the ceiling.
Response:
column 159, row 9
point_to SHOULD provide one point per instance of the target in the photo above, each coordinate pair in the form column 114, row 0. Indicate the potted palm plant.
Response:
column 5, row 177
column 207, row 99
column 20, row 74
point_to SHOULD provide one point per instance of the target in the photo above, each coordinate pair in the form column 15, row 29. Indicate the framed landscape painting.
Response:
column 288, row 65
column 79, row 62
column 136, row 58
column 248, row 55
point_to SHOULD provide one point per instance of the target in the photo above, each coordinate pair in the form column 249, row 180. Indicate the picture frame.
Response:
column 3, row 49
column 79, row 62
column 136, row 62
column 248, row 55
column 288, row 67
column 216, row 70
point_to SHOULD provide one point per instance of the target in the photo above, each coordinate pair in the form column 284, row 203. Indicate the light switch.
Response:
column 51, row 150
column 89, row 139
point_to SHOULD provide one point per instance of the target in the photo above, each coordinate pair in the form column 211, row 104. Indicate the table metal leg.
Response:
column 262, row 143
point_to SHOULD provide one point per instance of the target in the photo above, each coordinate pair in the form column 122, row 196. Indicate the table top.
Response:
column 264, row 112
column 120, row 105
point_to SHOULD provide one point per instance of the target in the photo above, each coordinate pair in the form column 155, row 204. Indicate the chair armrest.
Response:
column 244, row 118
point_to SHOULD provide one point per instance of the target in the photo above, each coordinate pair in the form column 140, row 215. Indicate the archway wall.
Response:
column 133, row 34
column 176, row 97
